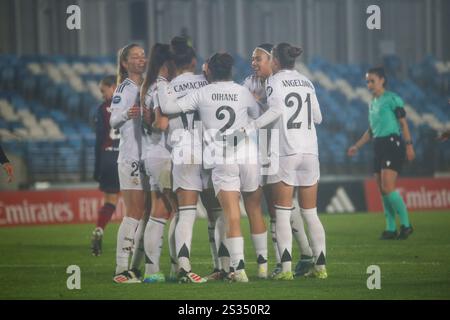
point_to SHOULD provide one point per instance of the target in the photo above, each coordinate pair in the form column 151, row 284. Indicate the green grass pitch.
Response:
column 33, row 262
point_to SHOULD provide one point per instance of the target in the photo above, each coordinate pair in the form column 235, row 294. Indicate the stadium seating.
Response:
column 47, row 103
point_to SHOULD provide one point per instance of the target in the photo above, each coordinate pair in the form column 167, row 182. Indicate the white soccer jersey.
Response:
column 125, row 96
column 224, row 107
column 257, row 87
column 292, row 95
column 153, row 140
column 181, row 86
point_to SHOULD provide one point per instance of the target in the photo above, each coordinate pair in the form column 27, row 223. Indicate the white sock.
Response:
column 284, row 236
column 298, row 231
column 98, row 229
column 260, row 244
column 125, row 238
column 153, row 241
column 222, row 251
column 138, row 250
column 235, row 246
column 273, row 225
column 172, row 245
column 216, row 213
column 316, row 235
column 183, row 235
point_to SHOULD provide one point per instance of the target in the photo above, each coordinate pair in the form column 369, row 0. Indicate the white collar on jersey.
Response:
column 187, row 73
column 131, row 81
column 284, row 70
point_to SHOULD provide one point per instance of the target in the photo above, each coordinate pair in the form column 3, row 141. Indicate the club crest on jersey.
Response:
column 116, row 99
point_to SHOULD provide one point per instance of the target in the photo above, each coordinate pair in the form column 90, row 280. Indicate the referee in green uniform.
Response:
column 387, row 120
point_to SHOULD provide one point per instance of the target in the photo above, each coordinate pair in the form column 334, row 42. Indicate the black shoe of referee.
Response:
column 405, row 232
column 389, row 235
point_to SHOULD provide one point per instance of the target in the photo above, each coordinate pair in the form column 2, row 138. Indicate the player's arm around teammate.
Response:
column 188, row 178
column 157, row 163
column 287, row 91
column 256, row 83
column 126, row 115
column 224, row 107
column 387, row 120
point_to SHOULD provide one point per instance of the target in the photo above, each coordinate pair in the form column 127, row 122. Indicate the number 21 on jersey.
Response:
column 294, row 100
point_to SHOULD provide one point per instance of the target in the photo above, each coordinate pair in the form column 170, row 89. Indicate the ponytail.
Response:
column 286, row 54
column 122, row 56
column 159, row 55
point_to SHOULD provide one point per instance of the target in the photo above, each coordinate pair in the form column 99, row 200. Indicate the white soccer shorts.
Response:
column 236, row 177
column 131, row 176
column 159, row 172
column 300, row 169
column 189, row 177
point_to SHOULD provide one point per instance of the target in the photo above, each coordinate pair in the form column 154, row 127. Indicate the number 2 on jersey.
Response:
column 220, row 115
column 291, row 124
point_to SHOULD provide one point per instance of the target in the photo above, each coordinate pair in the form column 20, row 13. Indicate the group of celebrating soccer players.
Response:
column 186, row 137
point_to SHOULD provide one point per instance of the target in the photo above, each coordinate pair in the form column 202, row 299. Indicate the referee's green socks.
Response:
column 396, row 201
column 389, row 214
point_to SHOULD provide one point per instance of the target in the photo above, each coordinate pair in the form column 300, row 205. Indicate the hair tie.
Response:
column 262, row 49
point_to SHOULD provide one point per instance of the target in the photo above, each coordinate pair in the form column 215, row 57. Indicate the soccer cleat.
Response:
column 126, row 277
column 276, row 271
column 190, row 277
column 137, row 273
column 216, row 275
column 157, row 277
column 303, row 266
column 238, row 276
column 286, row 275
column 317, row 273
column 262, row 270
column 405, row 232
column 96, row 242
column 388, row 235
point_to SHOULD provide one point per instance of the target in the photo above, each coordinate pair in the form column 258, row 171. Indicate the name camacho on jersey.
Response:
column 295, row 97
column 125, row 96
column 181, row 86
column 224, row 108
column 153, row 141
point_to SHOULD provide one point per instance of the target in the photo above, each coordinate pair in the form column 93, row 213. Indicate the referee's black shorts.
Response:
column 389, row 153
column 109, row 176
